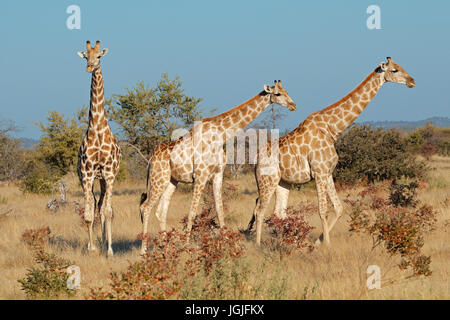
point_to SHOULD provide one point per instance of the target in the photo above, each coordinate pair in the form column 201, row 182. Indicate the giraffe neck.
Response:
column 342, row 113
column 97, row 115
column 239, row 117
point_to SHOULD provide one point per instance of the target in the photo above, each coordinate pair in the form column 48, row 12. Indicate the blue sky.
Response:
column 224, row 52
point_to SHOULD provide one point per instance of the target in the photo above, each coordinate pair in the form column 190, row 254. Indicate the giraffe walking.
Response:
column 308, row 152
column 198, row 156
column 99, row 155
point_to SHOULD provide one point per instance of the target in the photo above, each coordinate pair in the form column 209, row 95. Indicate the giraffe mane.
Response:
column 348, row 95
column 262, row 93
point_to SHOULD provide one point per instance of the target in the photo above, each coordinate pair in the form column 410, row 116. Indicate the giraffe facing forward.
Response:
column 198, row 156
column 308, row 152
column 99, row 155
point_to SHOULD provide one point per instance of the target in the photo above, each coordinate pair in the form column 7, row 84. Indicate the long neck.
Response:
column 342, row 113
column 97, row 106
column 240, row 116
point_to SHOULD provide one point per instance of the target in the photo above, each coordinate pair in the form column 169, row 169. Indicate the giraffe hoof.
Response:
column 92, row 248
column 110, row 253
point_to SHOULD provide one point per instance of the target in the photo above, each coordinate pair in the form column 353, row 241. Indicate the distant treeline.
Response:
column 146, row 117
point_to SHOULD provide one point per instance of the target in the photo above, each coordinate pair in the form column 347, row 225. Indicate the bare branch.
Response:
column 146, row 159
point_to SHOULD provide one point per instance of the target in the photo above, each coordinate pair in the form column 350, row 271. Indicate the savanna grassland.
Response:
column 337, row 272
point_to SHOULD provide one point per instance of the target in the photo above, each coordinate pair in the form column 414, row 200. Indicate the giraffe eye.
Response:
column 277, row 94
column 395, row 71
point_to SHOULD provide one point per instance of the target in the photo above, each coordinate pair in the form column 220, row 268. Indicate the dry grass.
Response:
column 327, row 273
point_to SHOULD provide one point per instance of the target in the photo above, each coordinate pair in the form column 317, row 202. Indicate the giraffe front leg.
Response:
column 199, row 185
column 107, row 215
column 89, row 211
column 217, row 189
column 101, row 208
column 321, row 186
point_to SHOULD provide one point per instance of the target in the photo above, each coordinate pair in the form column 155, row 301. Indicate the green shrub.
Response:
column 49, row 278
column 375, row 155
column 38, row 178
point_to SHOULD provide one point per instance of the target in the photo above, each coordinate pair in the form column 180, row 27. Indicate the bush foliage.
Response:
column 398, row 226
column 375, row 155
column 48, row 279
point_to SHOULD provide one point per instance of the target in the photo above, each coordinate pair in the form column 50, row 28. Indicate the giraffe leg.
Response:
column 217, row 189
column 163, row 206
column 89, row 211
column 107, row 214
column 199, row 185
column 145, row 210
column 332, row 194
column 321, row 186
column 281, row 200
column 100, row 207
column 265, row 195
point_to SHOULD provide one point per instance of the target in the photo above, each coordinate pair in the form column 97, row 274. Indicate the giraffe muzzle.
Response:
column 411, row 83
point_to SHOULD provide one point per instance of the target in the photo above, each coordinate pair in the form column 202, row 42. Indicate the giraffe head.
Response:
column 280, row 96
column 395, row 73
column 92, row 55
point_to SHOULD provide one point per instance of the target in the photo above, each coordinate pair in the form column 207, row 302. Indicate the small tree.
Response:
column 148, row 116
column 12, row 156
column 58, row 148
column 374, row 155
column 425, row 140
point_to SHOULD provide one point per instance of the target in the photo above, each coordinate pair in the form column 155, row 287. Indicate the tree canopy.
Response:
column 148, row 116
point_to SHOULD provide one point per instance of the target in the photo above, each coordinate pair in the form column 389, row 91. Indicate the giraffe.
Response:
column 308, row 152
column 99, row 154
column 198, row 156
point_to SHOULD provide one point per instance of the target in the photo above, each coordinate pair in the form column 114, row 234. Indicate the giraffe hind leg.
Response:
column 148, row 202
column 163, row 205
column 321, row 186
column 281, row 200
column 107, row 214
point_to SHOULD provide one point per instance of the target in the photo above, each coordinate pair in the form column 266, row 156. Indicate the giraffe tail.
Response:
column 144, row 195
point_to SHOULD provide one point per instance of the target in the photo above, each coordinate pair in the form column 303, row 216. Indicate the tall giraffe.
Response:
column 99, row 155
column 308, row 152
column 198, row 156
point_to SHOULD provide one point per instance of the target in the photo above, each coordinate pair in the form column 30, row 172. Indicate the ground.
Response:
column 326, row 273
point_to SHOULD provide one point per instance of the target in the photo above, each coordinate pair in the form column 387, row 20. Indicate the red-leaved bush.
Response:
column 171, row 261
column 290, row 234
column 400, row 229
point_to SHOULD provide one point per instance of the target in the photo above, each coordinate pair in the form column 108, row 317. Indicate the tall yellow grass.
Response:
column 327, row 273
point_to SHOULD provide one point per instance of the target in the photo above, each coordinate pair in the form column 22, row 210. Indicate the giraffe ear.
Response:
column 81, row 54
column 268, row 89
column 382, row 67
column 103, row 52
